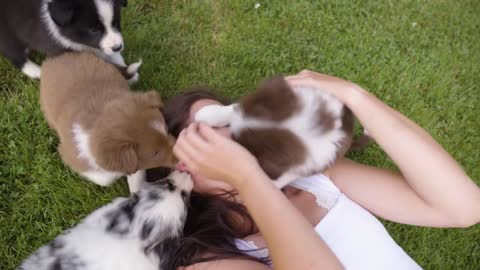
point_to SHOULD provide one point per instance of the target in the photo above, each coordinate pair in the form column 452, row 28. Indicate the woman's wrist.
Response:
column 250, row 177
column 353, row 95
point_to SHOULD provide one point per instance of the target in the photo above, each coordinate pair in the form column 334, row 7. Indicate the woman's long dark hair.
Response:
column 213, row 221
column 177, row 109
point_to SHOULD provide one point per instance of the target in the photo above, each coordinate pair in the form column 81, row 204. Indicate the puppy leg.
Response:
column 16, row 52
column 100, row 177
column 136, row 180
column 216, row 115
column 31, row 69
column 114, row 58
column 132, row 71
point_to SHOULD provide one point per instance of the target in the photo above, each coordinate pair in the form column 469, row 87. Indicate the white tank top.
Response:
column 356, row 237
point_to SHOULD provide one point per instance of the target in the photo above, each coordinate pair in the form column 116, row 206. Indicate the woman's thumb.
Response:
column 208, row 133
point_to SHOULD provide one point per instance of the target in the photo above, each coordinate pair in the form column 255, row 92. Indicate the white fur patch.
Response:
column 96, row 174
column 134, row 79
column 136, row 180
column 182, row 179
column 112, row 38
column 159, row 126
column 100, row 177
column 133, row 68
column 31, row 69
column 216, row 115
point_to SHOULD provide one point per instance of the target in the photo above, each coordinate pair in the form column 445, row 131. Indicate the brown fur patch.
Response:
column 348, row 123
column 325, row 120
column 125, row 128
column 277, row 150
column 274, row 100
column 348, row 126
column 123, row 138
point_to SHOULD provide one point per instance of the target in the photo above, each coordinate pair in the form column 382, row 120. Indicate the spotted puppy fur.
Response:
column 128, row 233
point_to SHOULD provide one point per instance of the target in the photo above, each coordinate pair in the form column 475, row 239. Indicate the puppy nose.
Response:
column 117, row 48
column 181, row 167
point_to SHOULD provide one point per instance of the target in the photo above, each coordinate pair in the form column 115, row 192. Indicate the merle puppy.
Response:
column 128, row 233
column 55, row 26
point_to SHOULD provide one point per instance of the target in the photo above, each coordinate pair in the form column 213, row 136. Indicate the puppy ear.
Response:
column 153, row 99
column 274, row 100
column 115, row 155
column 61, row 11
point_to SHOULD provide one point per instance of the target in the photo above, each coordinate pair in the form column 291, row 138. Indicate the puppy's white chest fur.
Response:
column 95, row 173
column 128, row 251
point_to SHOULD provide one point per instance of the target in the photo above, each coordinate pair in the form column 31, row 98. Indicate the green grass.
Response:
column 421, row 57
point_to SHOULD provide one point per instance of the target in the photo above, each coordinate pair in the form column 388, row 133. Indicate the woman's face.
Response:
column 202, row 184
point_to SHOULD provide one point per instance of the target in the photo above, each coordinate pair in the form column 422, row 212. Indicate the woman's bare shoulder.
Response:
column 228, row 264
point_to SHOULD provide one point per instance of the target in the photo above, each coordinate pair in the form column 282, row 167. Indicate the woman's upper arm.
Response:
column 228, row 264
column 384, row 193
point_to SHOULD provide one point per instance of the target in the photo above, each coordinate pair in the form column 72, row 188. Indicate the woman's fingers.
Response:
column 300, row 81
column 179, row 152
column 186, row 148
column 209, row 133
column 195, row 139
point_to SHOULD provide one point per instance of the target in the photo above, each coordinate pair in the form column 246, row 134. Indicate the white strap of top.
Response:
column 324, row 190
column 251, row 249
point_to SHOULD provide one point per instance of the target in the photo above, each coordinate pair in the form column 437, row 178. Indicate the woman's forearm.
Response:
column 292, row 242
column 434, row 175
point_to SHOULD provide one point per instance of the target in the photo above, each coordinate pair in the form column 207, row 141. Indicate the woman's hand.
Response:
column 214, row 156
column 340, row 88
column 426, row 168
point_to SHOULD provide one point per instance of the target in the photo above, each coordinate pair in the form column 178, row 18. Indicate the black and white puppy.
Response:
column 56, row 26
column 128, row 233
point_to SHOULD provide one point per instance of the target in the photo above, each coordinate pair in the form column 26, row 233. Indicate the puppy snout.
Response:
column 183, row 180
column 182, row 167
column 118, row 47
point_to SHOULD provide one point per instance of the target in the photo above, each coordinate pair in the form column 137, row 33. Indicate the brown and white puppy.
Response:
column 106, row 131
column 293, row 132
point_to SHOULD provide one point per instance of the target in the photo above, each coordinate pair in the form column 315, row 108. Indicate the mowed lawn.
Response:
column 420, row 57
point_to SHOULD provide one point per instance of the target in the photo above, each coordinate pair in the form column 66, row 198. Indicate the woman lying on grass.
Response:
column 239, row 220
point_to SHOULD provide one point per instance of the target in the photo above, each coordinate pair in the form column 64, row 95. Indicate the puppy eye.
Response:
column 171, row 186
column 168, row 184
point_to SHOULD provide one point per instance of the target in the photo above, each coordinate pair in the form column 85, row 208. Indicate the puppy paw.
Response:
column 133, row 68
column 133, row 79
column 31, row 69
column 132, row 71
column 215, row 115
